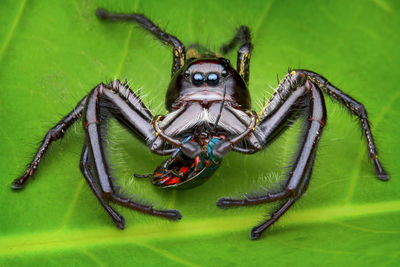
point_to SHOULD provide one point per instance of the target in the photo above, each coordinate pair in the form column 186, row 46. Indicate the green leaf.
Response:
column 51, row 55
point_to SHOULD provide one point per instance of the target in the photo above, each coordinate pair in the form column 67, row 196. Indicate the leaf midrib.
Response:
column 72, row 238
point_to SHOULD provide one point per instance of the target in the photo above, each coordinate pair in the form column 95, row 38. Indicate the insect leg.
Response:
column 355, row 108
column 178, row 52
column 53, row 134
column 243, row 38
column 87, row 173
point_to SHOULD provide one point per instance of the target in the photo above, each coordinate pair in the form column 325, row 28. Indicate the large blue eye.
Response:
column 212, row 79
column 197, row 79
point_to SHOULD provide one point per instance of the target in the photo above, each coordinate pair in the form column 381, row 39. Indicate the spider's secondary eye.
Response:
column 197, row 79
column 224, row 73
column 186, row 74
column 213, row 79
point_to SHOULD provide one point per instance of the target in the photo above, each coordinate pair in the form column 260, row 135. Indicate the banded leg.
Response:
column 102, row 100
column 256, row 232
column 315, row 109
column 178, row 52
column 301, row 172
column 87, row 173
column 355, row 108
column 298, row 77
column 53, row 134
column 297, row 89
column 243, row 38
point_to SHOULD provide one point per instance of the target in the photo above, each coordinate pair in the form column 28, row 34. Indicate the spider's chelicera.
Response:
column 209, row 115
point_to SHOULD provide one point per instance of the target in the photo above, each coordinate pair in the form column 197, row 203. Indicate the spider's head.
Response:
column 204, row 81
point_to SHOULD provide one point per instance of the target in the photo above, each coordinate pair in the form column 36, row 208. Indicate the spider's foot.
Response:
column 257, row 231
column 226, row 202
column 174, row 215
column 102, row 13
column 17, row 186
column 19, row 183
column 119, row 222
column 381, row 174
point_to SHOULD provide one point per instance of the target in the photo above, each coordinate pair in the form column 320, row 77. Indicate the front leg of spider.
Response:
column 299, row 94
column 118, row 100
column 86, row 168
column 101, row 98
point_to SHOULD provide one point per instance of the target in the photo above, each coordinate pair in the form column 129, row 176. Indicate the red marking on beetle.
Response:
column 175, row 180
column 196, row 160
column 183, row 170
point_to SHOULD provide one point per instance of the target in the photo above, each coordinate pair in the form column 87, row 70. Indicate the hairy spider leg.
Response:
column 272, row 127
column 87, row 173
column 243, row 38
column 101, row 100
column 126, row 202
column 178, row 53
column 309, row 99
column 356, row 109
column 297, row 91
column 300, row 174
column 57, row 132
column 290, row 83
column 256, row 232
column 53, row 134
column 353, row 106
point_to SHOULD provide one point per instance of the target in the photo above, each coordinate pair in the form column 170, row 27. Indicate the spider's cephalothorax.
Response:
column 209, row 115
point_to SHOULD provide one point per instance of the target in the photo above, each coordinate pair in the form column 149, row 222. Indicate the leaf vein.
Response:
column 14, row 25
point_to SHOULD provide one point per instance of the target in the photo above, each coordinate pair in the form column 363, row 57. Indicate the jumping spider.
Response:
column 209, row 115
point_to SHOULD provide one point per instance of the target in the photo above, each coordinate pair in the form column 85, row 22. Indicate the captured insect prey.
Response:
column 208, row 116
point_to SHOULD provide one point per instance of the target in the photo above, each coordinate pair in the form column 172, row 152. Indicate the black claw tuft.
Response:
column 16, row 185
column 224, row 202
column 383, row 176
column 120, row 223
column 255, row 233
column 174, row 215
column 102, row 13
